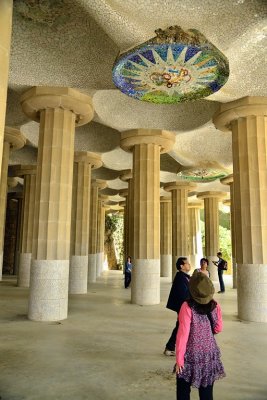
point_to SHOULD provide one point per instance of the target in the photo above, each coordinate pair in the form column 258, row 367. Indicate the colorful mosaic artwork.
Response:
column 201, row 175
column 173, row 67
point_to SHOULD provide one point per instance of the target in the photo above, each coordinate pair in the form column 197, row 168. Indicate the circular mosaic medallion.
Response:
column 201, row 175
column 171, row 72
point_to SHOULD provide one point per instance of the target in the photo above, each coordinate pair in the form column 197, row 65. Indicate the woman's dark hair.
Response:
column 204, row 260
column 203, row 309
column 180, row 262
column 130, row 258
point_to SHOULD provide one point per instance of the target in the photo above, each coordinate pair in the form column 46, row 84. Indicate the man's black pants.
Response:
column 170, row 345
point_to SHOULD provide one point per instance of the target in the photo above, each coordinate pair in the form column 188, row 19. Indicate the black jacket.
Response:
column 179, row 291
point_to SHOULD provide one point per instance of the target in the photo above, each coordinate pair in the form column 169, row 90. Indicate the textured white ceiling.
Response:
column 79, row 48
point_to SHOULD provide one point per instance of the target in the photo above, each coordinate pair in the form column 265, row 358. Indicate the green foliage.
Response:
column 114, row 232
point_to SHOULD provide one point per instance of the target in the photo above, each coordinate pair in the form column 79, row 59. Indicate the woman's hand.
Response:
column 179, row 368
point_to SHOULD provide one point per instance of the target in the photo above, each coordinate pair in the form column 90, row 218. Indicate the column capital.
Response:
column 99, row 183
column 14, row 137
column 126, row 175
column 164, row 139
column 122, row 203
column 12, row 182
column 193, row 204
column 178, row 185
column 247, row 106
column 89, row 158
column 103, row 197
column 165, row 199
column 42, row 97
column 227, row 180
column 210, row 194
column 123, row 192
column 21, row 170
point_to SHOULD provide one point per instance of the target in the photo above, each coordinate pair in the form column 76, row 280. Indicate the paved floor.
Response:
column 109, row 349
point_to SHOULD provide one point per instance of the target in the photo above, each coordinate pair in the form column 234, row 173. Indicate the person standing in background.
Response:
column 128, row 272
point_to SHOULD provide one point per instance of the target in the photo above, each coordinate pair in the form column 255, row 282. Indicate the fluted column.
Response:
column 211, row 214
column 6, row 7
column 195, row 240
column 13, row 140
column 25, row 258
column 96, row 185
column 247, row 119
column 84, row 162
column 179, row 191
column 228, row 180
column 146, row 146
column 124, row 193
column 100, row 234
column 127, row 176
column 58, row 110
column 165, row 237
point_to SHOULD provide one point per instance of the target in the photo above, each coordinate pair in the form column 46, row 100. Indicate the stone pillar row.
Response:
column 100, row 233
column 13, row 140
column 179, row 191
column 211, row 208
column 195, row 240
column 165, row 237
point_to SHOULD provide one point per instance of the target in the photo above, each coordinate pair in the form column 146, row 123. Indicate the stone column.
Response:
column 84, row 162
column 195, row 240
column 13, row 140
column 92, row 249
column 124, row 193
column 146, row 146
column 6, row 7
column 165, row 237
column 127, row 176
column 228, row 180
column 59, row 110
column 100, row 234
column 179, row 191
column 25, row 258
column 211, row 209
column 247, row 119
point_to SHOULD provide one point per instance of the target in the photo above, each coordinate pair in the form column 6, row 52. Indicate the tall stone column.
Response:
column 59, row 110
column 146, row 146
column 247, row 119
column 25, row 258
column 6, row 7
column 13, row 140
column 195, row 240
column 211, row 210
column 165, row 237
column 124, row 193
column 84, row 162
column 127, row 176
column 228, row 180
column 96, row 185
column 100, row 234
column 179, row 191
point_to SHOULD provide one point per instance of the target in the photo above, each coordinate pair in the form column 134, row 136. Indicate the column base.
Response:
column 78, row 274
column 145, row 282
column 234, row 272
column 24, row 270
column 49, row 290
column 91, row 268
column 166, row 266
column 99, row 264
column 252, row 292
column 195, row 261
column 212, row 268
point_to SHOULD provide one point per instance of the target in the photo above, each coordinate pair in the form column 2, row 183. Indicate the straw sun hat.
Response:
column 201, row 288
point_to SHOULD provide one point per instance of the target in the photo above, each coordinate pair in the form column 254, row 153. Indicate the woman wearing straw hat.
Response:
column 198, row 362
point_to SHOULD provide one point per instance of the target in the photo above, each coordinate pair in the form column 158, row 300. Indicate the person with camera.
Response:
column 221, row 264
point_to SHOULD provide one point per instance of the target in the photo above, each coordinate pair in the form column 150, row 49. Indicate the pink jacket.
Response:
column 185, row 316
